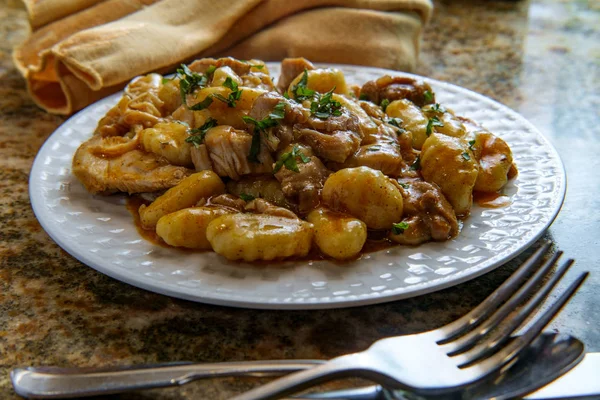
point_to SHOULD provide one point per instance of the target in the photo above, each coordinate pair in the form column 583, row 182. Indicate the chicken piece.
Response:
column 132, row 172
column 304, row 187
column 448, row 162
column 229, row 148
column 261, row 206
column 265, row 187
column 397, row 88
column 290, row 69
column 427, row 213
column 200, row 158
column 224, row 200
column 335, row 138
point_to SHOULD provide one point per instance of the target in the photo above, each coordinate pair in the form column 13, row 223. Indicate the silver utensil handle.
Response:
column 52, row 382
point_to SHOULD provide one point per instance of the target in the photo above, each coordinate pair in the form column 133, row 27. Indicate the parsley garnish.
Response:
column 466, row 156
column 189, row 81
column 164, row 80
column 397, row 122
column 289, row 160
column 198, row 134
column 433, row 121
column 233, row 96
column 437, row 108
column 471, row 144
column 404, row 185
column 363, row 96
column 211, row 70
column 416, row 165
column 300, row 91
column 324, row 106
column 399, row 228
column 258, row 66
column 201, row 105
column 428, row 96
column 246, row 197
column 384, row 104
column 270, row 121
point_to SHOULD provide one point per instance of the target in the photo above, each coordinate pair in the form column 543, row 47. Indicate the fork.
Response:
column 449, row 358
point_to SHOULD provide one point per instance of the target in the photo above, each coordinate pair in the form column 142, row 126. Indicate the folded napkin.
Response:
column 82, row 50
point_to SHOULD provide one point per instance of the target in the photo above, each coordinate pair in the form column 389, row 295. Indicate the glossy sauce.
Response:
column 133, row 205
column 491, row 200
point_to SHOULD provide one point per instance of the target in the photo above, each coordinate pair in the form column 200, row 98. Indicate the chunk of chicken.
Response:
column 427, row 213
column 448, row 162
column 134, row 171
column 229, row 149
column 304, row 187
column 264, row 186
column 397, row 88
column 290, row 69
column 261, row 206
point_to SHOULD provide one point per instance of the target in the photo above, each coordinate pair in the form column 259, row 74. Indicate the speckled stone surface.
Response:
column 540, row 57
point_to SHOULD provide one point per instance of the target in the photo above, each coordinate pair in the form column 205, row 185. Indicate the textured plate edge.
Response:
column 370, row 299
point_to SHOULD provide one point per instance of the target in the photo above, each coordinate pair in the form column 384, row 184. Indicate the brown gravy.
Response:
column 491, row 200
column 133, row 205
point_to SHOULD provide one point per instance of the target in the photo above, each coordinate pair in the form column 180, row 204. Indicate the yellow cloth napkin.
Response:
column 82, row 50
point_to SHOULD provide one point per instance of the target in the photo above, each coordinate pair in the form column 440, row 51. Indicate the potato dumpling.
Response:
column 322, row 80
column 448, row 162
column 448, row 123
column 495, row 160
column 167, row 139
column 252, row 237
column 170, row 95
column 186, row 194
column 340, row 236
column 187, row 227
column 220, row 110
column 413, row 120
column 366, row 194
column 221, row 74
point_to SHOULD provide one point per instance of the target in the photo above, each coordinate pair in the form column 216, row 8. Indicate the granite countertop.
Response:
column 539, row 57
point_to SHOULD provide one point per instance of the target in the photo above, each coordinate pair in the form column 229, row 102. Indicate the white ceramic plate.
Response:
column 99, row 231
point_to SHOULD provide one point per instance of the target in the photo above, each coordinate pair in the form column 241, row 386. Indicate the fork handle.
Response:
column 336, row 368
column 53, row 383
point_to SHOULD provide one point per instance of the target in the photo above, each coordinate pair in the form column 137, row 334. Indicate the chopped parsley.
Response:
column 428, row 96
column 397, row 122
column 324, row 106
column 384, row 104
column 433, row 121
column 246, row 197
column 198, row 134
column 211, row 70
column 471, row 144
column 416, row 165
column 466, row 156
column 399, row 228
column 189, row 81
column 269, row 121
column 363, row 96
column 404, row 185
column 289, row 160
column 164, row 80
column 234, row 96
column 300, row 91
column 201, row 105
column 437, row 108
column 257, row 66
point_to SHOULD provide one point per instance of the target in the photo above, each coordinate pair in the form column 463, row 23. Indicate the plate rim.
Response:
column 430, row 286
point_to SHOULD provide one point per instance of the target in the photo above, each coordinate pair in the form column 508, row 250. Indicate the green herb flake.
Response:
column 404, row 185
column 324, row 106
column 246, row 197
column 300, row 91
column 164, row 80
column 428, row 96
column 466, row 156
column 257, row 66
column 198, row 134
column 399, row 228
column 397, row 122
column 437, row 108
column 189, row 81
column 416, row 165
column 211, row 70
column 471, row 144
column 384, row 104
column 433, row 121
column 233, row 96
column 289, row 160
column 201, row 105
column 363, row 96
column 270, row 121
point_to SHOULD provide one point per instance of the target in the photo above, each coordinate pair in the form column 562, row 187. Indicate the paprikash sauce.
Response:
column 491, row 200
